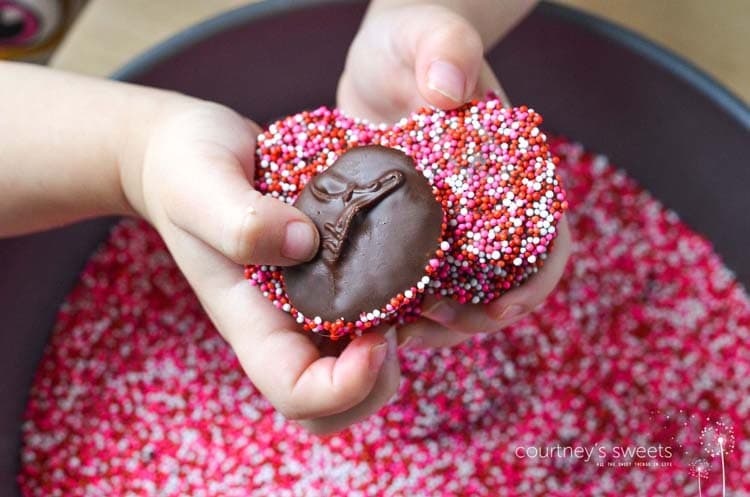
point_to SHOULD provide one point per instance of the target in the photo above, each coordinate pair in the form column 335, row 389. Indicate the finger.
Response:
column 288, row 369
column 448, row 54
column 373, row 97
column 283, row 363
column 424, row 333
column 384, row 389
column 488, row 83
column 378, row 82
column 212, row 199
column 512, row 306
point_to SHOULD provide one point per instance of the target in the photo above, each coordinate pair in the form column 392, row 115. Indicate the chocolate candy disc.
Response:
column 490, row 171
column 379, row 226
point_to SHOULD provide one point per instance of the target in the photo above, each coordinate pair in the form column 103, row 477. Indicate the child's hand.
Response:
column 195, row 187
column 429, row 53
column 408, row 55
column 91, row 147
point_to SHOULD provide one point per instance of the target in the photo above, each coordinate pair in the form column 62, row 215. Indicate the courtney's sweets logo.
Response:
column 614, row 455
column 699, row 446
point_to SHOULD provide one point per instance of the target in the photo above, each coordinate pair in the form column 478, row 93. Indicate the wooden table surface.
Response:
column 711, row 34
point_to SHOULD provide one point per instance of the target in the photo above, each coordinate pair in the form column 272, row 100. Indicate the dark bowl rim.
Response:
column 673, row 63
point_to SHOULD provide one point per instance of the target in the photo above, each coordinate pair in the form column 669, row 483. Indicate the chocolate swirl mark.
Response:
column 356, row 198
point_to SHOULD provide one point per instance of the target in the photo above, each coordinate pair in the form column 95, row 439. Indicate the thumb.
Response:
column 448, row 57
column 213, row 200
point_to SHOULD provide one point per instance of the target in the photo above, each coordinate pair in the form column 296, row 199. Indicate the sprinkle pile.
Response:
column 489, row 167
column 644, row 342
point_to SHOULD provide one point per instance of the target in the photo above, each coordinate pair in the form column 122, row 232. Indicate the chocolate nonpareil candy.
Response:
column 460, row 204
column 379, row 225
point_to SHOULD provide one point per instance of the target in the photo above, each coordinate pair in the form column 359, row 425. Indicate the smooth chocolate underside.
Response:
column 379, row 225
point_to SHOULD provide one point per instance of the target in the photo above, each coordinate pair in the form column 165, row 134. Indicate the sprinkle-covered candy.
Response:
column 489, row 168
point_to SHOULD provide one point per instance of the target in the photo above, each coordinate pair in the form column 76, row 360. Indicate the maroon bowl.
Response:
column 675, row 130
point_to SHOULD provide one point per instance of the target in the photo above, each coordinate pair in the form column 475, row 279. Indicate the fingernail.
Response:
column 511, row 314
column 411, row 342
column 441, row 312
column 446, row 79
column 377, row 356
column 299, row 241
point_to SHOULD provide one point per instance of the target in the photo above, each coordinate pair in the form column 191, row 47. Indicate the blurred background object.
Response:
column 31, row 29
column 711, row 34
